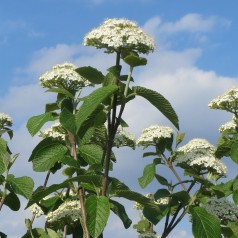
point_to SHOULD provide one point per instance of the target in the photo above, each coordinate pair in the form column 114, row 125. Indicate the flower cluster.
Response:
column 55, row 131
column 5, row 120
column 199, row 154
column 152, row 135
column 124, row 138
column 229, row 126
column 148, row 235
column 36, row 210
column 63, row 75
column 68, row 212
column 227, row 101
column 162, row 201
column 117, row 34
column 223, row 209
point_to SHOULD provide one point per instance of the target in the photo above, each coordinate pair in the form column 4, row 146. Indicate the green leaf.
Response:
column 91, row 74
column 52, row 233
column 4, row 156
column 92, row 102
column 148, row 175
column 91, row 153
column 35, row 123
column 162, row 180
column 49, row 107
column 179, row 138
column 234, row 152
column 45, row 155
column 12, row 201
column 204, row 224
column 61, row 91
column 159, row 102
column 181, row 196
column 67, row 120
column 120, row 211
column 97, row 211
column 22, row 185
column 3, row 235
column 134, row 60
column 153, row 216
column 37, row 232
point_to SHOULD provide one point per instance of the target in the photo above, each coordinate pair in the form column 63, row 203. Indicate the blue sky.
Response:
column 195, row 61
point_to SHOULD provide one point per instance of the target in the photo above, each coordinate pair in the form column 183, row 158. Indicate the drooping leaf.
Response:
column 45, row 155
column 91, row 153
column 22, row 185
column 97, row 211
column 148, row 175
column 49, row 107
column 181, row 196
column 204, row 224
column 134, row 60
column 12, row 201
column 161, row 180
column 179, row 138
column 92, row 102
column 120, row 211
column 35, row 123
column 159, row 102
column 153, row 216
column 37, row 232
column 91, row 74
column 4, row 156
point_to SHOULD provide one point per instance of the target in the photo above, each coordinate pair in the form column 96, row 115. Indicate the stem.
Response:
column 80, row 190
column 112, row 128
column 65, row 231
column 128, row 81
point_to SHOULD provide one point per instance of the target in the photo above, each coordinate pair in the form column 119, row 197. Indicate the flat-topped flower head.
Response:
column 117, row 34
column 124, row 138
column 199, row 154
column 36, row 210
column 68, row 213
column 55, row 131
column 227, row 101
column 63, row 76
column 230, row 126
column 222, row 209
column 152, row 135
column 5, row 120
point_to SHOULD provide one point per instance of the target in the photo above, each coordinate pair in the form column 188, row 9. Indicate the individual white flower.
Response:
column 227, row 101
column 116, row 34
column 63, row 75
column 36, row 210
column 68, row 212
column 55, row 131
column 199, row 154
column 5, row 120
column 223, row 209
column 124, row 138
column 152, row 135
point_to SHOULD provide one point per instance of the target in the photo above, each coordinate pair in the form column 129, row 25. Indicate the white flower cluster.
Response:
column 162, row 201
column 68, row 212
column 63, row 75
column 152, row 134
column 55, row 131
column 115, row 34
column 124, row 138
column 227, row 101
column 230, row 126
column 148, row 235
column 200, row 154
column 36, row 210
column 5, row 120
column 223, row 209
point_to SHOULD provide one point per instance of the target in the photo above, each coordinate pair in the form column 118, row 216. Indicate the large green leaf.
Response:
column 91, row 153
column 91, row 74
column 22, row 185
column 161, row 103
column 67, row 120
column 120, row 211
column 148, row 175
column 134, row 60
column 45, row 155
column 97, row 211
column 204, row 224
column 12, row 201
column 92, row 102
column 35, row 123
column 234, row 152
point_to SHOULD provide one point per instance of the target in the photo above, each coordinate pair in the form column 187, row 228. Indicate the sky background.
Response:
column 195, row 61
